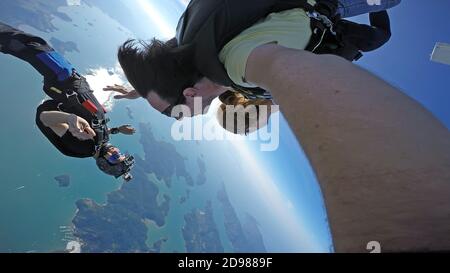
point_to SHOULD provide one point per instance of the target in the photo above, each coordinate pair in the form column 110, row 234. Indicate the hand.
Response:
column 124, row 92
column 80, row 128
column 127, row 130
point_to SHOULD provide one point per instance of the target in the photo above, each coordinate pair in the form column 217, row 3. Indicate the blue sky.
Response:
column 405, row 60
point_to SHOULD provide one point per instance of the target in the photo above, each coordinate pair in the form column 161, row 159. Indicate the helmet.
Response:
column 118, row 169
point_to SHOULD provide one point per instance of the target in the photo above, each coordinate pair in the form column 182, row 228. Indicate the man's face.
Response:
column 204, row 89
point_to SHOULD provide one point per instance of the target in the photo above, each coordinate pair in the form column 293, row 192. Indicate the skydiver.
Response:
column 72, row 120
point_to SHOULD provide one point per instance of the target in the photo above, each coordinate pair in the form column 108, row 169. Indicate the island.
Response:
column 253, row 235
column 37, row 13
column 63, row 180
column 162, row 158
column 157, row 246
column 119, row 224
column 200, row 232
column 245, row 238
column 184, row 199
column 63, row 47
column 201, row 178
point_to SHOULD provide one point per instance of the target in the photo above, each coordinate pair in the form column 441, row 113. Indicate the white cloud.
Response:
column 100, row 77
column 73, row 2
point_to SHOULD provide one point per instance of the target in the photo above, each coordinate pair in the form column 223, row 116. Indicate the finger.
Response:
column 84, row 124
column 90, row 131
column 119, row 97
column 109, row 88
column 75, row 131
column 87, row 136
column 116, row 88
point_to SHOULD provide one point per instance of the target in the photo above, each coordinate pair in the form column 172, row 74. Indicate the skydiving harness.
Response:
column 320, row 25
column 325, row 39
column 322, row 29
column 74, row 93
column 63, row 84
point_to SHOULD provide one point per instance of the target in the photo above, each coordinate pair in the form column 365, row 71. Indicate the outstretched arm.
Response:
column 36, row 51
column 124, row 129
column 381, row 158
column 124, row 92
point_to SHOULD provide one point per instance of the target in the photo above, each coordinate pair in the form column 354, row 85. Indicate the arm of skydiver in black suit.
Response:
column 381, row 25
column 36, row 51
column 60, row 76
column 368, row 37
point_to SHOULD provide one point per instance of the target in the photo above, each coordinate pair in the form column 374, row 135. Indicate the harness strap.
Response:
column 74, row 93
column 321, row 25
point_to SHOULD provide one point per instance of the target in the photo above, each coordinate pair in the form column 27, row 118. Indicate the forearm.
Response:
column 113, row 131
column 52, row 118
column 381, row 30
column 382, row 160
column 124, row 129
column 381, row 21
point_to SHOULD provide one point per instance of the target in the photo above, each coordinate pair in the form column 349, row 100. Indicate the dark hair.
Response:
column 162, row 67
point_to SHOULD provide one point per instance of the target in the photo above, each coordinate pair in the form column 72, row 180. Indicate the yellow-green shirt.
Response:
column 289, row 28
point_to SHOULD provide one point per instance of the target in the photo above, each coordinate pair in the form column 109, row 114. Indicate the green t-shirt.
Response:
column 290, row 28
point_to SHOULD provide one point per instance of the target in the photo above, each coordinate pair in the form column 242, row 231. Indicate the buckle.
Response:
column 324, row 19
column 59, row 106
column 70, row 95
column 97, row 123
